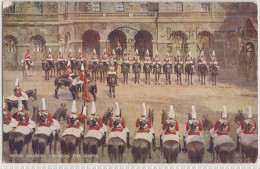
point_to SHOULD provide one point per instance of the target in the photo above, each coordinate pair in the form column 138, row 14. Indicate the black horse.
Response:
column 48, row 66
column 137, row 71
column 60, row 66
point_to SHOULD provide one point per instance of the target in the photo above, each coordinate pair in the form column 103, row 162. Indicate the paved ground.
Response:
column 232, row 91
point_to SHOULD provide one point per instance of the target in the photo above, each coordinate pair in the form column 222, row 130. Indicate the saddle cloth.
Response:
column 56, row 124
column 23, row 129
column 13, row 97
column 145, row 136
column 71, row 131
column 192, row 138
column 43, row 130
column 121, row 135
column 168, row 137
column 7, row 128
column 247, row 139
column 95, row 134
column 220, row 139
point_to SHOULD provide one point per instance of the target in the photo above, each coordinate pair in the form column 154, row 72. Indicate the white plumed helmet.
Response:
column 224, row 112
column 60, row 50
column 79, row 50
column 156, row 52
column 147, row 52
column 136, row 51
column 113, row 52
column 125, row 51
column 249, row 112
column 94, row 51
column 213, row 53
column 70, row 50
column 49, row 49
column 82, row 67
column 43, row 104
column 74, row 107
column 171, row 112
column 193, row 112
column 16, row 84
column 68, row 63
column 20, row 104
column 104, row 51
column 202, row 53
column 144, row 110
column 117, row 111
column 93, row 108
column 84, row 111
column 189, row 54
column 178, row 53
column 167, row 54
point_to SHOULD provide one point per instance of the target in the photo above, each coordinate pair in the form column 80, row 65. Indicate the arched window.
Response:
column 250, row 53
column 10, row 43
column 38, row 43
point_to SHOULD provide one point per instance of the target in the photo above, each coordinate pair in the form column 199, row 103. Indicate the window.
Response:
column 37, row 45
column 37, row 7
column 120, row 7
column 96, row 7
column 178, row 6
column 205, row 7
column 11, row 8
column 144, row 6
column 10, row 45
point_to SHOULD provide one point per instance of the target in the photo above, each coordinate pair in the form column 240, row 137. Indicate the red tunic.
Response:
column 215, row 58
column 113, row 129
column 193, row 133
column 9, row 117
column 201, row 60
column 143, row 131
column 97, row 127
column 247, row 132
column 68, row 73
column 81, row 76
column 149, row 59
column 221, row 133
column 170, row 132
column 138, row 58
column 156, row 58
column 25, row 123
column 74, row 126
column 47, row 124
column 47, row 57
column 19, row 93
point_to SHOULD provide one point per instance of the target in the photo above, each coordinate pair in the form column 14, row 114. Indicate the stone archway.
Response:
column 117, row 40
column 231, row 50
column 206, row 43
column 143, row 41
column 90, row 42
column 10, row 59
column 37, row 49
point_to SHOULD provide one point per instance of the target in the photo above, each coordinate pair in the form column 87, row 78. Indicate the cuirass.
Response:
column 94, row 121
column 249, row 125
column 222, row 126
column 44, row 118
column 171, row 125
column 5, row 117
column 143, row 123
column 194, row 125
column 74, row 119
column 22, row 118
column 117, row 122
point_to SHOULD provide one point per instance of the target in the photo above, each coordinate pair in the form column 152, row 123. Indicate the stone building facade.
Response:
column 162, row 26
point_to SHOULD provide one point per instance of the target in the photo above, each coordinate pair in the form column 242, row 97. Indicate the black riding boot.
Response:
column 210, row 149
column 104, row 139
column 154, row 143
column 238, row 145
column 161, row 143
column 128, row 141
column 179, row 147
column 184, row 145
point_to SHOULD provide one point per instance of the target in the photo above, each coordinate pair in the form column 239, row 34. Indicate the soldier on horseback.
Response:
column 7, row 118
column 80, row 55
column 95, row 123
column 178, row 60
column 167, row 61
column 221, row 128
column 193, row 128
column 27, row 59
column 69, row 71
column 44, row 118
column 23, row 118
column 147, row 61
column 113, row 56
column 18, row 94
column 213, row 61
column 118, row 49
column 144, row 126
column 60, row 56
column 105, row 58
column 70, row 55
column 245, row 133
column 73, row 119
column 117, row 124
column 170, row 126
column 189, row 62
column 137, row 57
column 49, row 58
column 202, row 60
column 111, row 71
column 156, row 59
column 125, row 61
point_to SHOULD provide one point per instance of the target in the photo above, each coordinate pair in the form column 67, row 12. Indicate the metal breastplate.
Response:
column 5, row 117
column 94, row 121
column 74, row 119
column 117, row 122
column 194, row 125
column 249, row 125
column 22, row 118
column 222, row 126
column 171, row 125
column 44, row 118
column 143, row 123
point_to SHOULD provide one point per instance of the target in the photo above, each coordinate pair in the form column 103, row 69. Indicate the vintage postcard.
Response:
column 129, row 82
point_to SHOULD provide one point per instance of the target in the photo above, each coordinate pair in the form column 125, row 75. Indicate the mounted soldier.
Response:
column 219, row 134
column 137, row 58
column 202, row 60
column 49, row 58
column 245, row 133
column 69, row 71
column 82, row 76
column 111, row 71
column 170, row 129
column 118, row 49
column 95, row 124
column 70, row 55
column 73, row 122
column 80, row 56
column 178, row 59
column 118, row 126
column 156, row 59
column 213, row 61
column 105, row 58
column 60, row 56
column 45, row 119
column 189, row 62
column 18, row 94
column 27, row 59
column 23, row 118
column 125, row 61
column 193, row 128
column 167, row 61
column 144, row 125
column 147, row 60
column 9, row 123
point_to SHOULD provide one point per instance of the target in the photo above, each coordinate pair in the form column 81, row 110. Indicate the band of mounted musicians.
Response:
column 170, row 128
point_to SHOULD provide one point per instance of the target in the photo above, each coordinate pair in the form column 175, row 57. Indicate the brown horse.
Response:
column 206, row 124
column 68, row 145
column 157, row 71
column 112, row 85
column 141, row 148
column 247, row 151
column 178, row 68
column 91, row 144
column 170, row 148
column 41, row 141
column 225, row 152
column 47, row 67
column 203, row 70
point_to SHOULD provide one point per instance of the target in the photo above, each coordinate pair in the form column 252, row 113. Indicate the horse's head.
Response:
column 34, row 93
column 206, row 123
column 239, row 117
column 107, row 116
column 164, row 116
column 189, row 116
column 151, row 115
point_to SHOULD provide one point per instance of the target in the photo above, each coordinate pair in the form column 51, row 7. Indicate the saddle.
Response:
column 23, row 129
column 72, row 131
column 43, row 130
column 221, row 139
column 168, row 137
column 7, row 128
column 94, row 134
column 145, row 136
column 116, row 134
